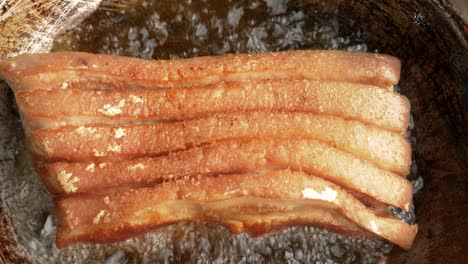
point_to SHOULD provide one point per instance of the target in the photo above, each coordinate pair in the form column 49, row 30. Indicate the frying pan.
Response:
column 430, row 38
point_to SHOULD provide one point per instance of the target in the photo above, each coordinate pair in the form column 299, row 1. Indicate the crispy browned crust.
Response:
column 51, row 70
column 44, row 108
column 235, row 156
column 390, row 151
column 120, row 215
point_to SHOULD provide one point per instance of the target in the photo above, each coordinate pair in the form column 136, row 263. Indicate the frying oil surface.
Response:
column 178, row 29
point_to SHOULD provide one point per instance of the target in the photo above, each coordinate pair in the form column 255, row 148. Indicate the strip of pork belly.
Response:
column 232, row 156
column 228, row 212
column 390, row 151
column 58, row 70
column 120, row 215
column 42, row 108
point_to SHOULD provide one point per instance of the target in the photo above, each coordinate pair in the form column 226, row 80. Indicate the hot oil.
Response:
column 179, row 29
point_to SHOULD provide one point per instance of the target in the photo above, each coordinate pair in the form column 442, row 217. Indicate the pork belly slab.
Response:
column 390, row 151
column 254, row 142
column 56, row 70
column 119, row 215
column 234, row 156
column 368, row 104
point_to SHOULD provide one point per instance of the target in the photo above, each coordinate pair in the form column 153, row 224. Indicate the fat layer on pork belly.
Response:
column 119, row 215
column 233, row 156
column 368, row 104
column 63, row 69
column 390, row 151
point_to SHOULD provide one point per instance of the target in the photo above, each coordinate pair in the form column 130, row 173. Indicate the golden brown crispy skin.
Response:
column 390, row 151
column 120, row 215
column 52, row 70
column 231, row 156
column 43, row 108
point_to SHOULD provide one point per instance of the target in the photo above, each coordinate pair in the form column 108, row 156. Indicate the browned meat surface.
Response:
column 119, row 215
column 127, row 145
column 234, row 156
column 52, row 70
column 388, row 150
